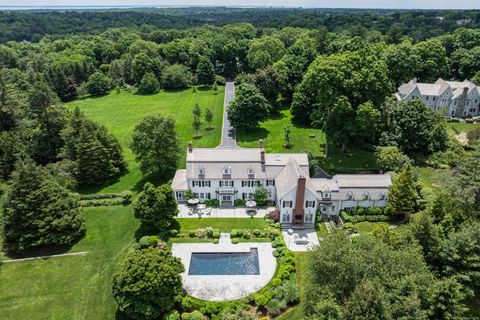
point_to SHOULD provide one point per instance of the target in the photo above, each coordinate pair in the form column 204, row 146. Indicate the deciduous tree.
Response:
column 156, row 145
column 147, row 283
column 248, row 108
column 155, row 207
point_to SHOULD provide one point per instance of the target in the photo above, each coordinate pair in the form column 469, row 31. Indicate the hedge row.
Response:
column 102, row 202
column 124, row 195
column 360, row 218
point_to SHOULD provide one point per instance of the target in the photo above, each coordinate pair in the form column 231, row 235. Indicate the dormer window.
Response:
column 383, row 196
column 251, row 173
column 201, row 173
column 350, row 196
column 366, row 196
column 226, row 172
column 326, row 195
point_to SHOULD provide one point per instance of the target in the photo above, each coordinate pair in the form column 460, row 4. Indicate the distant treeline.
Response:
column 418, row 24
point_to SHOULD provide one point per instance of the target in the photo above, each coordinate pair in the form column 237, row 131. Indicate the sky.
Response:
column 401, row 4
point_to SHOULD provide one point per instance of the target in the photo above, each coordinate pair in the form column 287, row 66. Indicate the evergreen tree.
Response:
column 97, row 153
column 209, row 117
column 40, row 96
column 446, row 300
column 39, row 212
column 156, row 207
column 402, row 196
column 367, row 303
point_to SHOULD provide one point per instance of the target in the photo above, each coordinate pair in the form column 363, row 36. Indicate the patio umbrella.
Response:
column 193, row 201
column 251, row 204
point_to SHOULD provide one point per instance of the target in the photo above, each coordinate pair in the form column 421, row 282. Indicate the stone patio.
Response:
column 310, row 234
column 235, row 212
column 228, row 287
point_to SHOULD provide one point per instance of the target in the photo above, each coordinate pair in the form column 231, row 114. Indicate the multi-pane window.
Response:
column 201, row 183
column 226, row 183
column 366, row 196
column 247, row 196
column 287, row 204
column 251, row 183
column 309, row 204
column 270, row 183
column 350, row 196
column 326, row 195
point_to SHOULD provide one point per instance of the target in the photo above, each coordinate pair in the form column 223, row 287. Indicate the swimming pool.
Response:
column 224, row 263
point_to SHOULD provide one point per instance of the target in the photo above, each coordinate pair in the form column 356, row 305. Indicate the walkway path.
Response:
column 46, row 257
column 228, row 132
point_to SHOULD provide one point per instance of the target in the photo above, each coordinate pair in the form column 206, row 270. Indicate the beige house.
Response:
column 460, row 99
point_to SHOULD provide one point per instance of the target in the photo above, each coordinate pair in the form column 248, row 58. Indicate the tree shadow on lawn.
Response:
column 154, row 179
column 251, row 135
column 353, row 160
column 44, row 251
column 108, row 183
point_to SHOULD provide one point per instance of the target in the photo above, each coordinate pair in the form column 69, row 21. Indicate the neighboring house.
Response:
column 229, row 174
column 460, row 99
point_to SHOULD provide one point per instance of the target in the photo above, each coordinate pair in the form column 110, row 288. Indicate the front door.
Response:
column 226, row 200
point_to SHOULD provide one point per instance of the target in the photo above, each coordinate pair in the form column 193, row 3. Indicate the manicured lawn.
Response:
column 296, row 312
column 272, row 132
column 461, row 127
column 77, row 287
column 186, row 240
column 223, row 224
column 366, row 226
column 121, row 112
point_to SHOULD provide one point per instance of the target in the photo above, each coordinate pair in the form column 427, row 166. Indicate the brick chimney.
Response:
column 261, row 144
column 262, row 156
column 190, row 147
column 300, row 198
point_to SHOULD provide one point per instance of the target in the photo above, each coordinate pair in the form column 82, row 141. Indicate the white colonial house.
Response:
column 460, row 99
column 229, row 174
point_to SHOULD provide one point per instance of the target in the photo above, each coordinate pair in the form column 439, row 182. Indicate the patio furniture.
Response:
column 290, row 231
column 250, row 204
column 193, row 201
column 208, row 211
column 300, row 239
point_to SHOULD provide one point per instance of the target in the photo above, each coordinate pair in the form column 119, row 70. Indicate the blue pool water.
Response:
column 225, row 263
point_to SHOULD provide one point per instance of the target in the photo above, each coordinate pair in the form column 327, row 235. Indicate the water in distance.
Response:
column 224, row 263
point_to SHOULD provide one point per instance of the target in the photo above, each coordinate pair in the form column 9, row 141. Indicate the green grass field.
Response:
column 77, row 287
column 121, row 112
column 223, row 224
column 306, row 139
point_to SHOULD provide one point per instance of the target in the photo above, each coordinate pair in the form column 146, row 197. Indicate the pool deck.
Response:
column 228, row 287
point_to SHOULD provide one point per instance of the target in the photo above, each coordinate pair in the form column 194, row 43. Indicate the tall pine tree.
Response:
column 402, row 196
column 97, row 153
column 39, row 212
